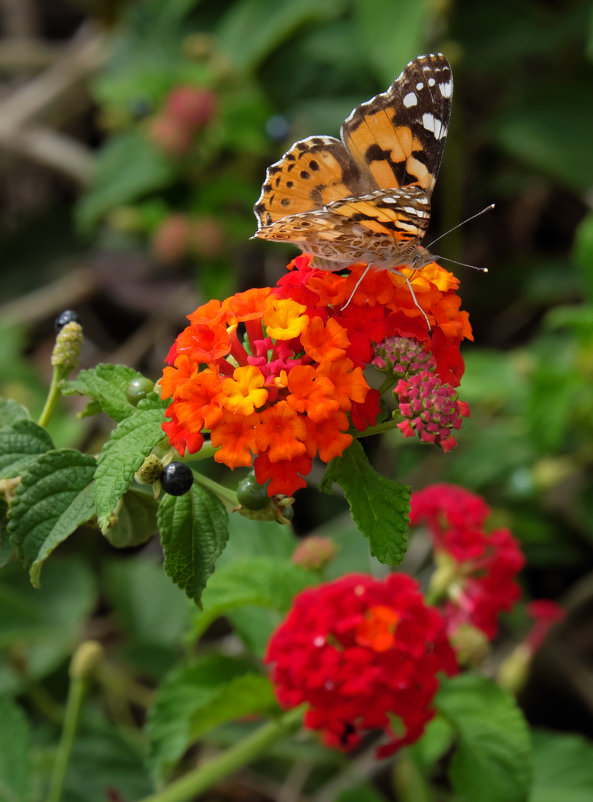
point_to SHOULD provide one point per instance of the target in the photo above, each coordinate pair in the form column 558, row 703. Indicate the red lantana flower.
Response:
column 481, row 567
column 365, row 655
column 275, row 375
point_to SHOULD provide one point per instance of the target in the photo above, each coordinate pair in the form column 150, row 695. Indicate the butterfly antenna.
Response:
column 463, row 264
column 463, row 222
column 406, row 279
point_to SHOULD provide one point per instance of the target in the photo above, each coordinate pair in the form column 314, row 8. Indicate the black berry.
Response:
column 67, row 316
column 177, row 478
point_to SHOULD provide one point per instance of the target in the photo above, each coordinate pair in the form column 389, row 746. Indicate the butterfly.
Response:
column 366, row 196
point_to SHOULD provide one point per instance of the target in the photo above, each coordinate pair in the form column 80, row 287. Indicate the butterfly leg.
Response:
column 356, row 286
column 413, row 294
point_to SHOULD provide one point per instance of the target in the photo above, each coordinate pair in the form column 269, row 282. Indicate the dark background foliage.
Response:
column 89, row 192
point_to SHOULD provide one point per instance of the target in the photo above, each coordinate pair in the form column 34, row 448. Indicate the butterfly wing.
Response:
column 379, row 228
column 397, row 138
column 313, row 173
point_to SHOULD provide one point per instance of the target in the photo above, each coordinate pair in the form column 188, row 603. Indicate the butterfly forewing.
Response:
column 398, row 137
column 314, row 172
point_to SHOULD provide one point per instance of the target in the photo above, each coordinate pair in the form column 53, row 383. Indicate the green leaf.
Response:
column 147, row 603
column 104, row 757
column 360, row 793
column 130, row 442
column 493, row 760
column 20, row 445
column 380, row 507
column 128, row 167
column 392, row 32
column 583, row 251
column 563, row 768
column 194, row 532
column 535, row 131
column 106, row 385
column 15, row 754
column 252, row 29
column 196, row 698
column 41, row 627
column 6, row 547
column 11, row 411
column 260, row 581
column 53, row 499
column 136, row 520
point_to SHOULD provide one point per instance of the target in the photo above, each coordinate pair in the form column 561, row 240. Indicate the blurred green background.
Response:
column 110, row 206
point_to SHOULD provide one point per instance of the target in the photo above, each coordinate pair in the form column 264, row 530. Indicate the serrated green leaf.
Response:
column 6, row 547
column 15, row 752
column 493, row 760
column 259, row 582
column 130, row 442
column 196, row 698
column 11, row 411
column 136, row 520
column 53, row 499
column 127, row 167
column 380, row 507
column 20, row 445
column 106, row 385
column 194, row 531
column 563, row 768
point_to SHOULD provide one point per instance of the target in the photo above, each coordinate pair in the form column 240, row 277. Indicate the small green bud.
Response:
column 66, row 353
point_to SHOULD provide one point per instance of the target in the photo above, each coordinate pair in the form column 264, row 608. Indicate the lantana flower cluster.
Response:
column 276, row 374
column 476, row 568
column 365, row 655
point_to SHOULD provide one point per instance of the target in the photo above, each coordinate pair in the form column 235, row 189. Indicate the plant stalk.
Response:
column 205, row 776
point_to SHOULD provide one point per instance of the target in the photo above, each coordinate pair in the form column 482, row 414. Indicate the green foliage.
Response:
column 39, row 628
column 130, row 442
column 20, row 444
column 194, row 531
column 563, row 768
column 15, row 756
column 53, row 499
column 260, row 582
column 379, row 506
column 106, row 385
column 493, row 758
column 198, row 697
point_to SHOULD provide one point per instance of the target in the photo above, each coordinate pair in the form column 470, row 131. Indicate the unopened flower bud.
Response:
column 150, row 470
column 66, row 353
column 85, row 659
column 314, row 553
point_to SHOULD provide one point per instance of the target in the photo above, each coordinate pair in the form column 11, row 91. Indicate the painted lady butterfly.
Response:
column 365, row 198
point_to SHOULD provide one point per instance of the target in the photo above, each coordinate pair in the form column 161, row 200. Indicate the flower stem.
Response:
column 52, row 398
column 226, row 495
column 73, row 705
column 205, row 776
column 380, row 427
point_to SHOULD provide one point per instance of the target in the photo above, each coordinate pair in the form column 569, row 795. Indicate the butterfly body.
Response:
column 365, row 197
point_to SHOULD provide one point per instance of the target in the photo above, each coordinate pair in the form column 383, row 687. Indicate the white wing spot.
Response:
column 419, row 86
column 410, row 100
column 446, row 89
column 431, row 123
column 431, row 82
